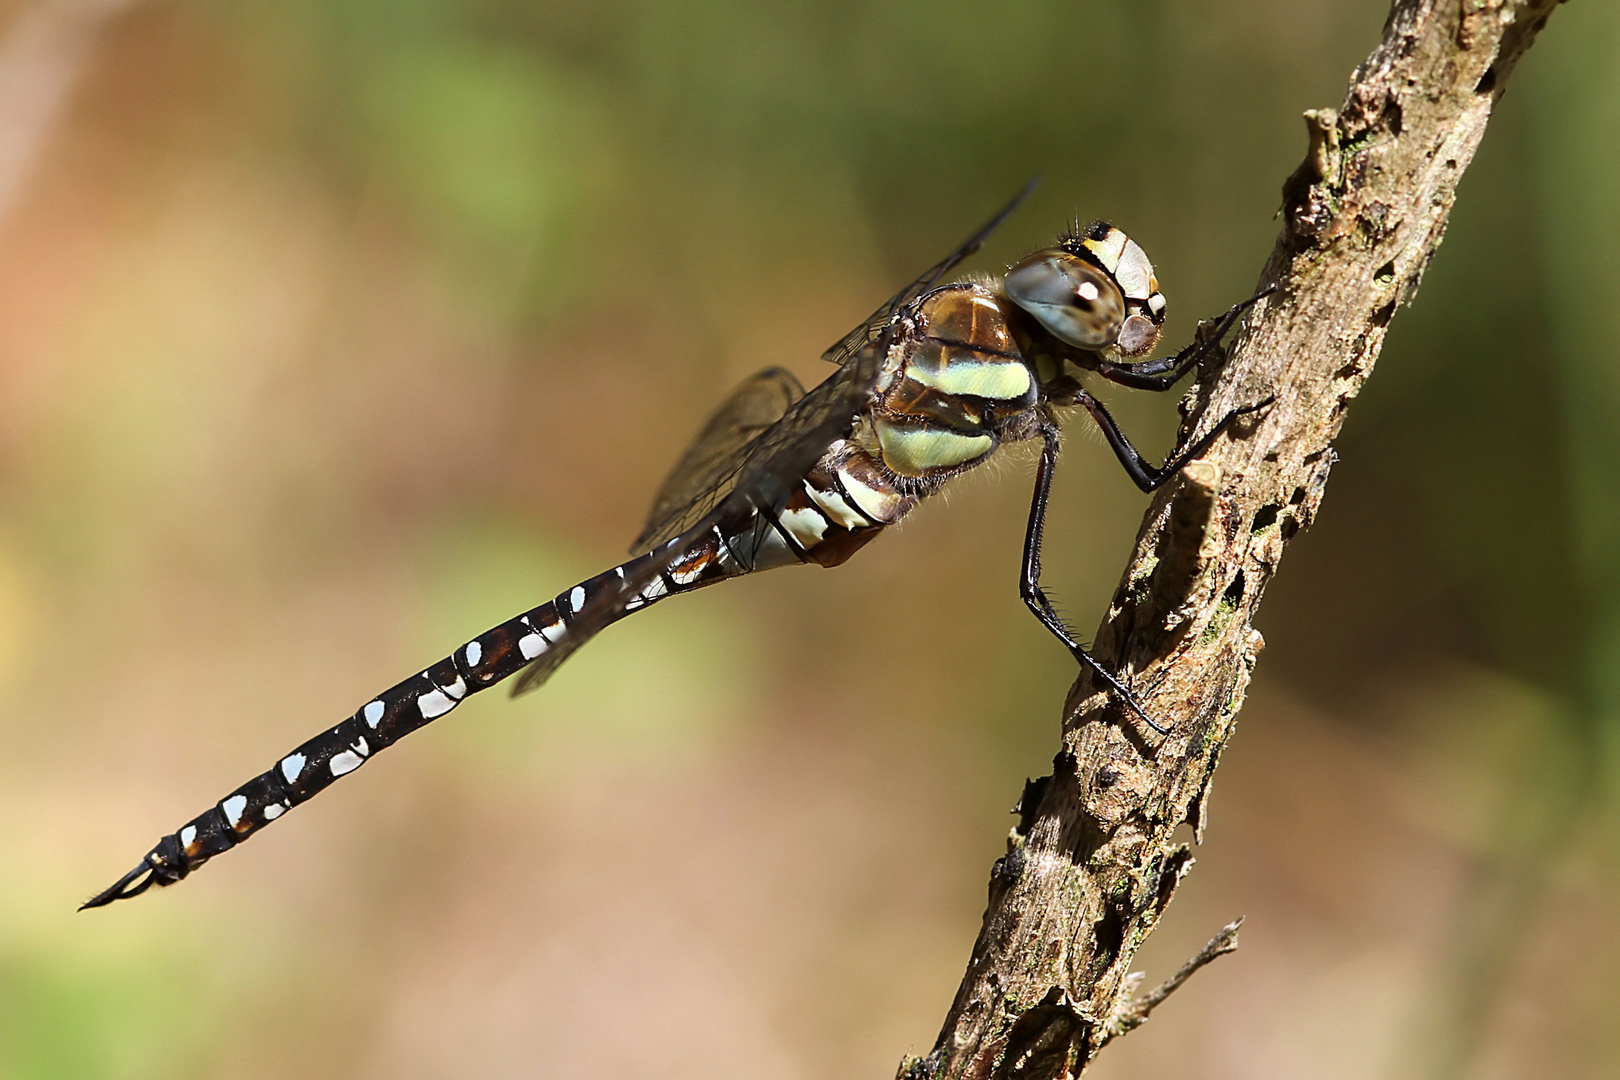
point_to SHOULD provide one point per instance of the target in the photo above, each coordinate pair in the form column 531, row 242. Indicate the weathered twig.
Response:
column 1094, row 860
column 1133, row 1014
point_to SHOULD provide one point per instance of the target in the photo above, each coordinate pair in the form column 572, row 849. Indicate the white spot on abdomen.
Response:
column 878, row 505
column 188, row 836
column 474, row 653
column 434, row 703
column 273, row 811
column 291, row 766
column 373, row 713
column 806, row 526
column 833, row 505
column 346, row 762
column 232, row 808
column 531, row 646
column 576, row 599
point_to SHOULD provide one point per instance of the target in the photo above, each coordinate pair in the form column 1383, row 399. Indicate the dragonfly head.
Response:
column 1095, row 290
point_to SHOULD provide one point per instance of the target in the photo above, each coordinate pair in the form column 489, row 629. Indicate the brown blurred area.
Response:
column 335, row 331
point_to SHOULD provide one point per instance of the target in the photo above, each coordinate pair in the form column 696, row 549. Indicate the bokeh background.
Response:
column 334, row 331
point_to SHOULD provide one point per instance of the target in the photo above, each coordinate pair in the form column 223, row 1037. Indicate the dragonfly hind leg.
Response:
column 1029, row 585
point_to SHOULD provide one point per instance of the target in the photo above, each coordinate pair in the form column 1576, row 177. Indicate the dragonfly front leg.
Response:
column 1161, row 374
column 1029, row 585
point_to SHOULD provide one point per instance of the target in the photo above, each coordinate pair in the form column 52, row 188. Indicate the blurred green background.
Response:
column 334, row 331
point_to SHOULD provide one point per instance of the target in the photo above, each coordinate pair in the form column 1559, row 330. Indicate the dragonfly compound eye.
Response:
column 1078, row 302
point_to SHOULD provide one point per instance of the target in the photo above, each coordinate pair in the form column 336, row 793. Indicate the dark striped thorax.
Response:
column 975, row 359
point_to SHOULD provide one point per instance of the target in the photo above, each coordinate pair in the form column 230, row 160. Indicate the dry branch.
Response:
column 1094, row 861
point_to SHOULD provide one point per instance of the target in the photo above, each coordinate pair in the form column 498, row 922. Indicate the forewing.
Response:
column 704, row 472
column 776, row 465
column 772, row 469
column 848, row 346
column 769, row 467
column 730, row 439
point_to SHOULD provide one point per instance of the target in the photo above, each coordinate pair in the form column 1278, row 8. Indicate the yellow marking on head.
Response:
column 914, row 451
column 998, row 380
column 1108, row 249
column 1134, row 273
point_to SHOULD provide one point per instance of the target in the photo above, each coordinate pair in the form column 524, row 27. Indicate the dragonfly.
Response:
column 933, row 384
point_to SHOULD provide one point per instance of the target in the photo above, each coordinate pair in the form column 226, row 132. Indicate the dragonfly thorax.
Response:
column 955, row 378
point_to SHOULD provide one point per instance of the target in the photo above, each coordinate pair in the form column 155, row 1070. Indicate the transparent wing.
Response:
column 740, row 433
column 715, row 456
column 766, row 470
column 776, row 464
column 772, row 468
column 863, row 335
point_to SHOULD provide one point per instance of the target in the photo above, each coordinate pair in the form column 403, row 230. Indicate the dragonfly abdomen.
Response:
column 538, row 640
column 338, row 751
column 545, row 633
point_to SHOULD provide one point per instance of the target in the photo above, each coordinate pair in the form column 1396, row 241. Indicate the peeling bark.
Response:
column 1094, row 860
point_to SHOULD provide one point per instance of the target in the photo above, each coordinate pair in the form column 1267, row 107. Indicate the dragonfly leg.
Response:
column 1029, row 585
column 1165, row 372
column 1146, row 476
